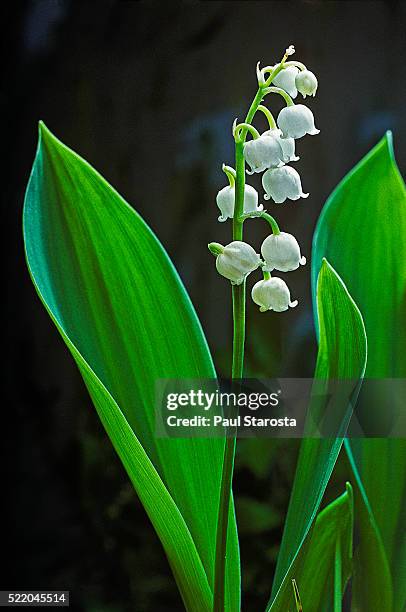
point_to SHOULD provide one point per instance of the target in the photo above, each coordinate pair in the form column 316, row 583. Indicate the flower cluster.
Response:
column 271, row 153
column 279, row 251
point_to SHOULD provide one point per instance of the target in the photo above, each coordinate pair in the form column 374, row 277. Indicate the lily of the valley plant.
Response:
column 270, row 153
column 91, row 258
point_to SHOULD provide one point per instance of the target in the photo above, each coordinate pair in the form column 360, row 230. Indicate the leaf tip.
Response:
column 325, row 266
column 349, row 490
column 384, row 146
column 42, row 128
column 388, row 141
column 44, row 132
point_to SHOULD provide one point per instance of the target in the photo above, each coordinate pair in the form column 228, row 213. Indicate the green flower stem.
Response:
column 259, row 96
column 272, row 223
column 281, row 92
column 268, row 115
column 266, row 274
column 247, row 128
column 274, row 71
column 238, row 290
column 239, row 191
column 263, row 215
column 238, row 294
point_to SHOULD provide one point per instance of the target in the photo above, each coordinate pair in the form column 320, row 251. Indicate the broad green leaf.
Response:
column 323, row 571
column 362, row 232
column 124, row 314
column 342, row 355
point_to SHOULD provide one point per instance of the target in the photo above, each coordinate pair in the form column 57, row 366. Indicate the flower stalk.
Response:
column 264, row 215
column 238, row 296
column 269, row 152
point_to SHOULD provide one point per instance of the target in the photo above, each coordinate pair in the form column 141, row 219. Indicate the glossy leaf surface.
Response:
column 124, row 314
column 338, row 358
column 362, row 232
column 323, row 572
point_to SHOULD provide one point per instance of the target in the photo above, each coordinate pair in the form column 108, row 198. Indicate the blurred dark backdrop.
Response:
column 146, row 92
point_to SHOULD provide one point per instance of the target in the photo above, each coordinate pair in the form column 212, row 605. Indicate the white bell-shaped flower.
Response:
column 281, row 252
column 296, row 121
column 236, row 261
column 287, row 144
column 262, row 153
column 272, row 294
column 282, row 183
column 286, row 79
column 306, row 83
column 226, row 197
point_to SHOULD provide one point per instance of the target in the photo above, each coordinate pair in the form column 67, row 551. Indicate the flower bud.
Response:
column 281, row 252
column 260, row 75
column 226, row 197
column 306, row 83
column 262, row 153
column 296, row 121
column 287, row 145
column 236, row 261
column 286, row 80
column 272, row 294
column 282, row 183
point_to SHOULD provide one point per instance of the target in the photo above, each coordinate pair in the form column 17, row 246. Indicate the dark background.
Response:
column 147, row 92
